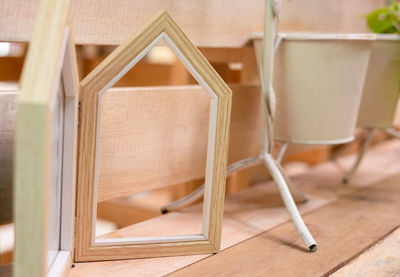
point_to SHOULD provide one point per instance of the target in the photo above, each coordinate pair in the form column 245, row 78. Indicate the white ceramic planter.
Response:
column 318, row 81
column 382, row 85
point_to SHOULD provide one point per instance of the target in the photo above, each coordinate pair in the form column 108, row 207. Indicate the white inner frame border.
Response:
column 209, row 162
column 66, row 72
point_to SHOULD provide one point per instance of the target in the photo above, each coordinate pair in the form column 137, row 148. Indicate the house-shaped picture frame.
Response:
column 103, row 77
column 45, row 148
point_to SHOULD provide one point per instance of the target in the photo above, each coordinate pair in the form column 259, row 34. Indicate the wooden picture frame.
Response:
column 46, row 131
column 162, row 26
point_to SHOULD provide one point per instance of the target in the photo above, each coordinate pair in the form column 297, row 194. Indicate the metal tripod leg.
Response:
column 283, row 184
column 282, row 152
column 198, row 193
column 279, row 178
column 185, row 201
column 361, row 153
column 298, row 196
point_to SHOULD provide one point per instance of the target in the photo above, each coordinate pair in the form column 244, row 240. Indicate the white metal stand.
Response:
column 285, row 187
column 390, row 130
column 282, row 152
column 270, row 43
column 199, row 192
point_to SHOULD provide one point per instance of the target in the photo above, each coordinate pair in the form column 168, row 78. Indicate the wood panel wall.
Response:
column 228, row 23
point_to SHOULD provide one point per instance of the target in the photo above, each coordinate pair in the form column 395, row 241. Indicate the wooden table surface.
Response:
column 259, row 239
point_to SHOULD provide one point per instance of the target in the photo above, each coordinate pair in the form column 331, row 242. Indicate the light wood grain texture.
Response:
column 209, row 23
column 254, row 211
column 124, row 212
column 127, row 211
column 97, row 82
column 246, row 214
column 123, row 178
column 383, row 259
column 125, row 168
column 49, row 69
column 117, row 178
column 329, row 16
column 343, row 229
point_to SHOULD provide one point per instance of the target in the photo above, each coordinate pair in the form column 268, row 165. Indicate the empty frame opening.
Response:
column 152, row 148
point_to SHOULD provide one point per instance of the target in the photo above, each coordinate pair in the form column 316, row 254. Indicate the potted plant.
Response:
column 381, row 88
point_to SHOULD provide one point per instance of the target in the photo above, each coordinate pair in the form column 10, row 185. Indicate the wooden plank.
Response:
column 253, row 211
column 130, row 210
column 334, row 16
column 246, row 214
column 244, row 137
column 131, row 147
column 125, row 212
column 228, row 23
column 343, row 229
column 111, row 22
column 383, row 259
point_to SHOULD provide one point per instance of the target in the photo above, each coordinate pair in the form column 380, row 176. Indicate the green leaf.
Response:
column 385, row 20
column 379, row 20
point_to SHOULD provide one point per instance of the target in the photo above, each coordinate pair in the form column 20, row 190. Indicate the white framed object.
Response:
column 46, row 132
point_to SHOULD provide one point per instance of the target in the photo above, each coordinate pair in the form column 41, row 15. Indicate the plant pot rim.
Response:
column 331, row 36
column 394, row 37
column 317, row 142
